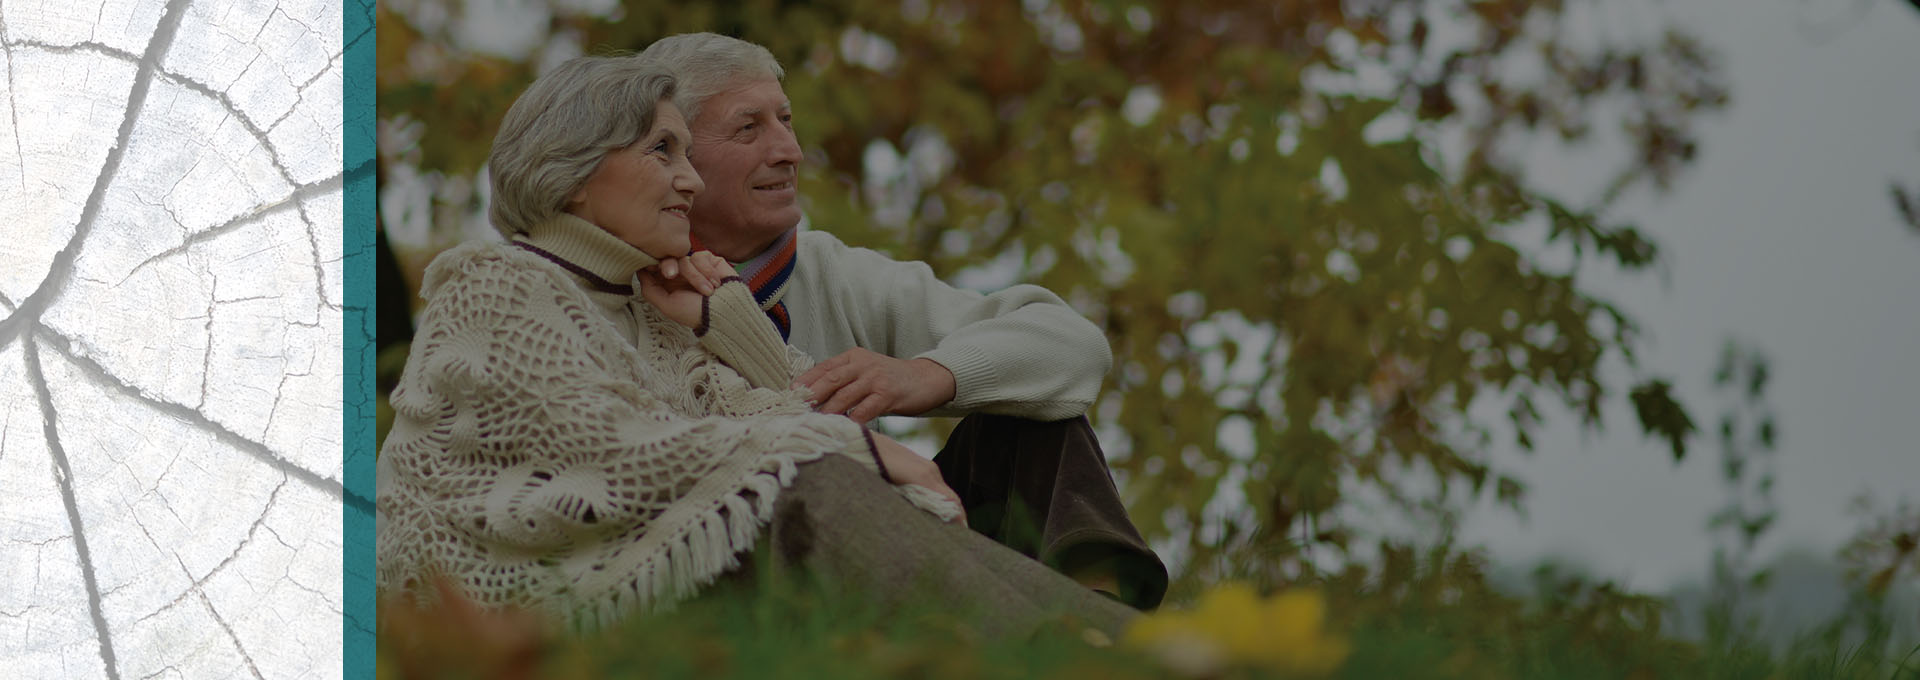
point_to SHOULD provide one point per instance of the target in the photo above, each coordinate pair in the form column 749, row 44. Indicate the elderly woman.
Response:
column 595, row 422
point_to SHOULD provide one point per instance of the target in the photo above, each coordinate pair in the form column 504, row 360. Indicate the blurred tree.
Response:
column 1306, row 225
column 1749, row 439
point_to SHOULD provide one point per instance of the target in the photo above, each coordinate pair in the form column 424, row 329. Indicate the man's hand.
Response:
column 906, row 467
column 678, row 285
column 865, row 385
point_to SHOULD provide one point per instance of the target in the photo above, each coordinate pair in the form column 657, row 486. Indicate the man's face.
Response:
column 745, row 151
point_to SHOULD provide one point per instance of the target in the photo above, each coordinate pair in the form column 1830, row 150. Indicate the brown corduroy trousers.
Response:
column 1044, row 490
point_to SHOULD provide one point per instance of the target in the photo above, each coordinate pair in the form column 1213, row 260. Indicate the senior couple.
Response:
column 657, row 376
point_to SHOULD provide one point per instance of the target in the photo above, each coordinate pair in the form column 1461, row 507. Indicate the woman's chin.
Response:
column 663, row 249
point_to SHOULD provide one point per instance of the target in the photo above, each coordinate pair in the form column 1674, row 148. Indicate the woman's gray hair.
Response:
column 707, row 63
column 557, row 132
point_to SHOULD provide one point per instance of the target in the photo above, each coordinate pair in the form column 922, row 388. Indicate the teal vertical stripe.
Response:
column 356, row 341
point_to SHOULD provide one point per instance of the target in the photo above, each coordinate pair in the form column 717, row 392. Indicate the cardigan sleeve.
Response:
column 1019, row 351
column 511, row 424
column 734, row 328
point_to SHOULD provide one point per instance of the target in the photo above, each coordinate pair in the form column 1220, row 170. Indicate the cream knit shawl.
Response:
column 540, row 460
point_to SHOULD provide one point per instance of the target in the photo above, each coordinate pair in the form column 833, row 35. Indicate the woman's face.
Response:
column 641, row 193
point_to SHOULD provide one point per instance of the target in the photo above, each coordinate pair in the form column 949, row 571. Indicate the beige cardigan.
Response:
column 576, row 452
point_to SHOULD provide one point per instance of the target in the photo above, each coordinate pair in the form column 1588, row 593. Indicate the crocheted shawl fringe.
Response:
column 712, row 545
column 705, row 549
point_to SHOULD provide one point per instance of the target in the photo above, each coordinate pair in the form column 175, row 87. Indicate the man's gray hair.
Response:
column 708, row 63
column 557, row 132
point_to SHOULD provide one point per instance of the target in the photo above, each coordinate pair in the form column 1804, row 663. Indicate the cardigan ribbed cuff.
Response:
column 974, row 380
column 734, row 329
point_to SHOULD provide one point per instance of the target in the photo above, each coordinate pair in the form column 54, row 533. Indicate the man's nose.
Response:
column 786, row 147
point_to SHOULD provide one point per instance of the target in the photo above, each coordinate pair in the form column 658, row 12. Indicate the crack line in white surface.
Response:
column 302, row 89
column 303, row 25
column 100, row 376
column 319, row 276
column 94, row 32
column 296, row 198
column 87, row 46
column 280, row 65
column 40, row 544
column 236, row 639
column 245, row 121
column 199, row 585
column 206, row 352
column 279, row 391
column 13, row 112
column 62, row 266
column 63, row 475
column 335, row 59
column 162, row 671
column 246, row 219
column 323, row 597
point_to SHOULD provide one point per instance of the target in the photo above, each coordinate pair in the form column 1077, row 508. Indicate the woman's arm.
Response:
column 708, row 297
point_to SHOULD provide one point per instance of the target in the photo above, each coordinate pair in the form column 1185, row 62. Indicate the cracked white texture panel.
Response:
column 170, row 327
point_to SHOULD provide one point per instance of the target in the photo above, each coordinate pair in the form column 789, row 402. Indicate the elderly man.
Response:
column 892, row 339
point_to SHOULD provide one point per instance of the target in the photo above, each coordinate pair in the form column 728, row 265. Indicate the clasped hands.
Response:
column 859, row 383
column 678, row 285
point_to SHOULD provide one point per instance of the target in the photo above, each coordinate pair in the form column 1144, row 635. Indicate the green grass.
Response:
column 783, row 632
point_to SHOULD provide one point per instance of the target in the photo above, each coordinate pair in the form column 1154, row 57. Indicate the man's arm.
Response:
column 1020, row 351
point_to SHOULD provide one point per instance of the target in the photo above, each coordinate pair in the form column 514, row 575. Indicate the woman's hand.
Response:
column 906, row 467
column 677, row 286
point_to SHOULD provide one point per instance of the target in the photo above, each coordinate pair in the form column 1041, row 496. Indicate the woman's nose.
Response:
column 688, row 181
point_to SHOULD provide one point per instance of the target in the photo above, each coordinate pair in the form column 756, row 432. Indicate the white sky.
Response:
column 1783, row 235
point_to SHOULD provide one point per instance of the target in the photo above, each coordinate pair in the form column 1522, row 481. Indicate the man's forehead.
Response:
column 748, row 98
